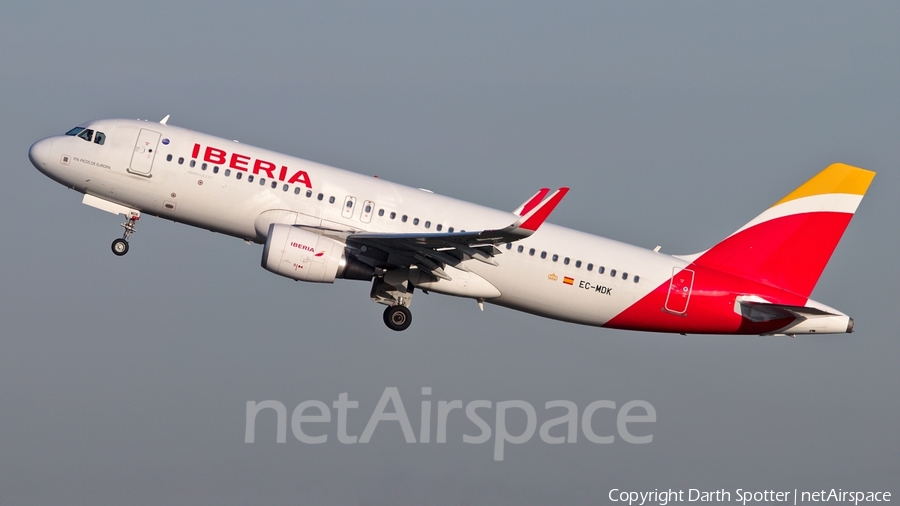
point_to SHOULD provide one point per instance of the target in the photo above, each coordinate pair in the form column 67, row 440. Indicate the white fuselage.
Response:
column 183, row 186
column 318, row 223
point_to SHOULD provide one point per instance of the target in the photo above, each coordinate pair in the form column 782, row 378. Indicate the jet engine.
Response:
column 299, row 254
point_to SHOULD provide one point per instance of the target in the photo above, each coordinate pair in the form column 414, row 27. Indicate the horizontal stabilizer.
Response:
column 801, row 319
column 764, row 312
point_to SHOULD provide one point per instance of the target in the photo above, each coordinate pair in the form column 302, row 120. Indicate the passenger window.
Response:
column 180, row 160
column 624, row 275
column 250, row 178
column 381, row 212
column 601, row 270
column 415, row 221
column 578, row 264
column 543, row 254
column 227, row 172
column 100, row 138
column 566, row 260
column 193, row 163
column 531, row 252
column 331, row 199
column 169, row 157
column 349, row 204
column 590, row 267
column 393, row 215
column 439, row 227
column 369, row 208
column 555, row 257
column 86, row 134
column 612, row 272
column 308, row 193
column 509, row 245
column 450, row 230
column 215, row 169
column 637, row 278
column 320, row 196
column 275, row 185
column 403, row 219
column 427, row 224
column 520, row 248
column 239, row 175
column 203, row 167
column 296, row 190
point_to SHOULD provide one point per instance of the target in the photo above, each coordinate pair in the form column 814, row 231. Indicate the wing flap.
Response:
column 434, row 250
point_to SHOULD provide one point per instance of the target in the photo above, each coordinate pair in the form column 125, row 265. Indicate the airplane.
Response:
column 319, row 223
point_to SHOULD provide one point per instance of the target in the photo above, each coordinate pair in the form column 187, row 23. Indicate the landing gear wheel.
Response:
column 397, row 318
column 120, row 247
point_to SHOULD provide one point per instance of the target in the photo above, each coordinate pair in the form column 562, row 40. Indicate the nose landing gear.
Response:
column 120, row 245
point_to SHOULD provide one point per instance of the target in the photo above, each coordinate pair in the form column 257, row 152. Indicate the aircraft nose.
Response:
column 39, row 153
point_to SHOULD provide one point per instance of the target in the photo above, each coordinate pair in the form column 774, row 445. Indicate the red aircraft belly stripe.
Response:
column 710, row 309
column 779, row 260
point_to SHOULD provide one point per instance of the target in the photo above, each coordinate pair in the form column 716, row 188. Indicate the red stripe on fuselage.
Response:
column 779, row 260
column 710, row 308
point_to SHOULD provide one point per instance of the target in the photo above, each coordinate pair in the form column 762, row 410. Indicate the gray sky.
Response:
column 124, row 380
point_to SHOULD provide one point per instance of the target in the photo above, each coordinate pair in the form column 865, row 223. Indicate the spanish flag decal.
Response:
column 567, row 280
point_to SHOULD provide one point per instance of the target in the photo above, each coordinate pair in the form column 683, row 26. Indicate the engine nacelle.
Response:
column 302, row 255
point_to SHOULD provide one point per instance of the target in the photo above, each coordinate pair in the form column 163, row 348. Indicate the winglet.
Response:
column 533, row 219
column 532, row 202
column 164, row 120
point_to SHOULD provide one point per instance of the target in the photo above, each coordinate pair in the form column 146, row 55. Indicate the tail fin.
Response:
column 789, row 244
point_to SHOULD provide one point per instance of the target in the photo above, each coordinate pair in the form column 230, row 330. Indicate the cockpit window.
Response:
column 87, row 134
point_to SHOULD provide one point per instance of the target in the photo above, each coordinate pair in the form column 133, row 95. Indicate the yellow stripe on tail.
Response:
column 836, row 178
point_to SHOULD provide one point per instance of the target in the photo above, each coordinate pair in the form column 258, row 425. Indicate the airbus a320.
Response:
column 318, row 224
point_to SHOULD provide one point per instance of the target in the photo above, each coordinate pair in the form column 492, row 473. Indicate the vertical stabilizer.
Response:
column 789, row 244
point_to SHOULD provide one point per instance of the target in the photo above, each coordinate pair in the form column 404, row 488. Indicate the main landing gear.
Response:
column 120, row 245
column 394, row 290
column 397, row 317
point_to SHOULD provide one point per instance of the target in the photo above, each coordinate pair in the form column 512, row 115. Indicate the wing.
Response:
column 432, row 252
